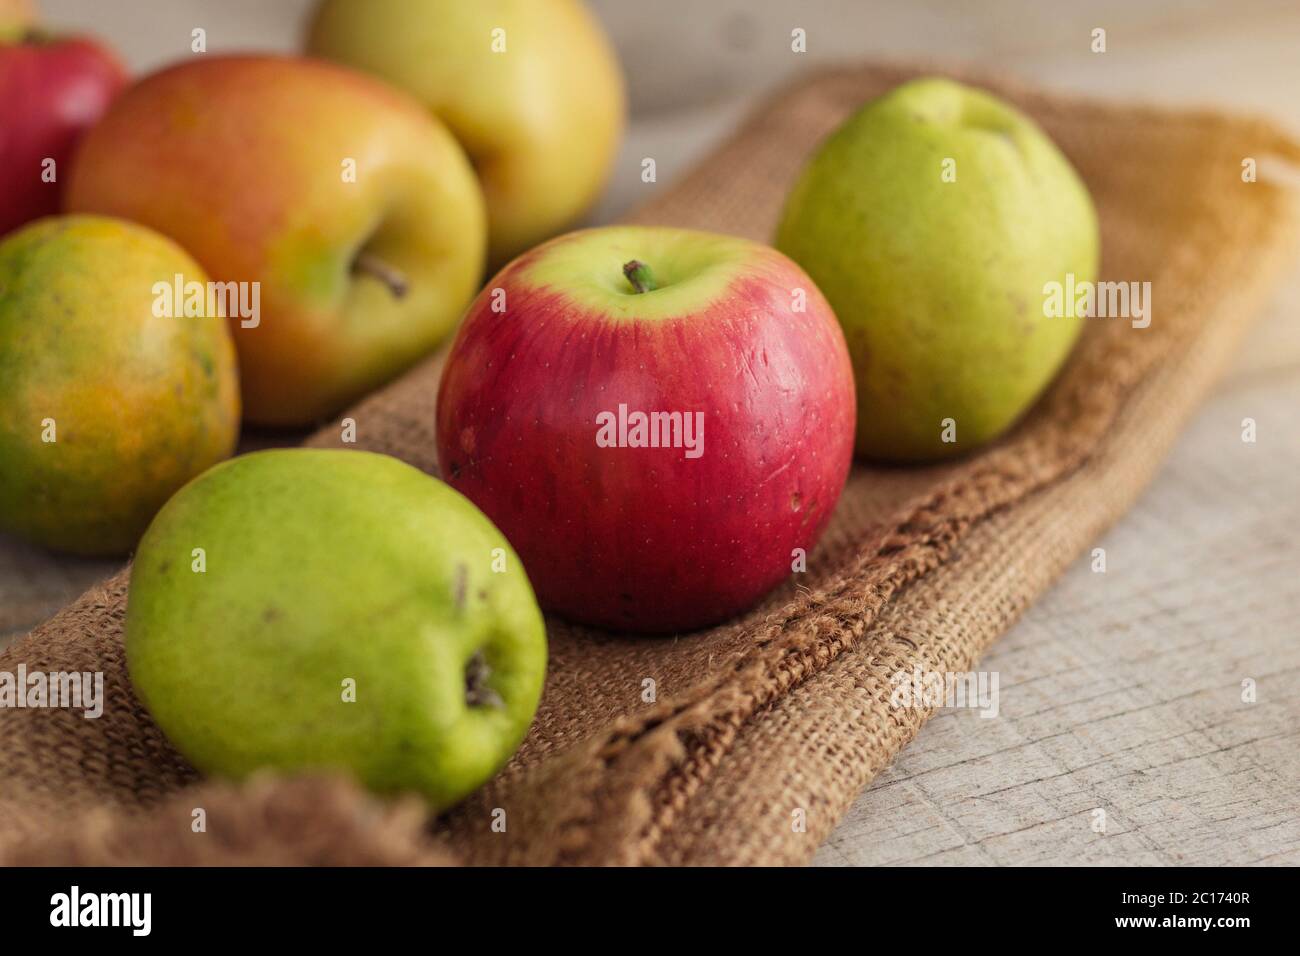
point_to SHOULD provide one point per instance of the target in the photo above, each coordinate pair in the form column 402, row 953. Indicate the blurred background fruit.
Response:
column 352, row 613
column 15, row 18
column 687, row 88
column 109, row 407
column 353, row 210
column 52, row 88
column 531, row 88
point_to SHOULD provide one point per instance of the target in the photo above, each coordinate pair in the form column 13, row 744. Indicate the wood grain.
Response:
column 1122, row 690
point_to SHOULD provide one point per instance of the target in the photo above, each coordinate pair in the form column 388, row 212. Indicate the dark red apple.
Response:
column 656, row 419
column 51, row 90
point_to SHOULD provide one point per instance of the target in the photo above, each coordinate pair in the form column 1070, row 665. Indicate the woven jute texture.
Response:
column 785, row 713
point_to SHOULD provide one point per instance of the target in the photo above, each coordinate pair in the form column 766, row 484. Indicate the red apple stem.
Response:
column 368, row 264
column 640, row 276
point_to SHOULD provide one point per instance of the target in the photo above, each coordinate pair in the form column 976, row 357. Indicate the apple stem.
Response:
column 368, row 264
column 640, row 276
column 477, row 692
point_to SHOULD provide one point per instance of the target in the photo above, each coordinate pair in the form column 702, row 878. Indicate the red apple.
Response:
column 656, row 418
column 51, row 90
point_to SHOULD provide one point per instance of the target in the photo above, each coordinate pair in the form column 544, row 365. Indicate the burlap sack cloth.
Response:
column 788, row 708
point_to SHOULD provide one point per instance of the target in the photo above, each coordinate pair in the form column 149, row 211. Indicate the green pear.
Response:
column 932, row 220
column 306, row 609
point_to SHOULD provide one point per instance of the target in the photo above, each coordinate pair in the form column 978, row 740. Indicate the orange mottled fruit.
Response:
column 110, row 397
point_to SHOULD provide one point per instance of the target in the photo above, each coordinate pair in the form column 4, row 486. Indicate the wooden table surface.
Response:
column 1122, row 735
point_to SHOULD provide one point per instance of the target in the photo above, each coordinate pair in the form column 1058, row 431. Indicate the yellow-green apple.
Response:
column 531, row 88
column 16, row 18
column 109, row 401
column 350, row 216
column 933, row 220
column 350, row 613
column 52, row 89
column 659, row 420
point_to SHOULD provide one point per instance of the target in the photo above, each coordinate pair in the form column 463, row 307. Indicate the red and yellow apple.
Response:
column 531, row 88
column 657, row 419
column 354, row 212
column 51, row 90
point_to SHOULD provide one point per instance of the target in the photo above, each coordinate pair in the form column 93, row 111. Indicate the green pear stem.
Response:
column 368, row 264
column 640, row 276
column 477, row 691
